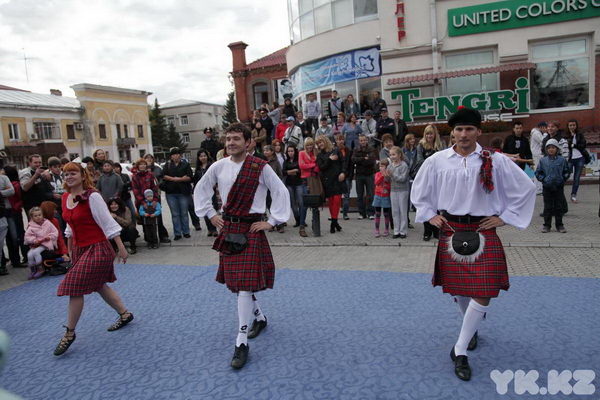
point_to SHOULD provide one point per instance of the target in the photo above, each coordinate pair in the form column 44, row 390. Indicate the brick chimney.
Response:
column 55, row 92
column 238, row 50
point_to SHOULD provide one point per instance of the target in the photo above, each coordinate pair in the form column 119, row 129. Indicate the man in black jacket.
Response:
column 178, row 178
column 211, row 144
column 385, row 125
column 518, row 146
column 378, row 104
column 400, row 130
column 365, row 158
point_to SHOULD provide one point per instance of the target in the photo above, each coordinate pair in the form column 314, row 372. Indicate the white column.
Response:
column 28, row 127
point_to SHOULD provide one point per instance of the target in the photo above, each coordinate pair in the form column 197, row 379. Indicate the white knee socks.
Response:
column 258, row 314
column 245, row 306
column 463, row 303
column 473, row 317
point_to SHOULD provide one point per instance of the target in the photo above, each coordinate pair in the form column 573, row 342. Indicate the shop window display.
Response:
column 562, row 75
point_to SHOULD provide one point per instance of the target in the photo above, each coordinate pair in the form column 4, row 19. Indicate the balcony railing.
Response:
column 126, row 142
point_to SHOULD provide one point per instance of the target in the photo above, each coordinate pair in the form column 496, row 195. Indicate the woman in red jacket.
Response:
column 89, row 229
column 141, row 180
column 307, row 160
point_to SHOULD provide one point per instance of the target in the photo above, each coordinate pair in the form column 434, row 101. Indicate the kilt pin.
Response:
column 253, row 269
column 485, row 277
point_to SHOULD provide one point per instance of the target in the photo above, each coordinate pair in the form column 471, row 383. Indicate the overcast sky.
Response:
column 172, row 48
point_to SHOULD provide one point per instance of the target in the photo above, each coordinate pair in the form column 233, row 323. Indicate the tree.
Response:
column 229, row 115
column 174, row 139
column 158, row 126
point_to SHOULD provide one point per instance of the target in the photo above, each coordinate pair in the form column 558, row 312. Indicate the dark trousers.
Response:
column 555, row 205
column 129, row 234
column 312, row 124
column 162, row 231
column 151, row 229
column 365, row 185
column 192, row 212
column 430, row 230
column 15, row 238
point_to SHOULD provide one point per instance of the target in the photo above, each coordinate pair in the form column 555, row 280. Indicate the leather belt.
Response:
column 462, row 219
column 247, row 219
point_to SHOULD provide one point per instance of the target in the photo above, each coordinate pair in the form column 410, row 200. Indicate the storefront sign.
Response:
column 511, row 14
column 339, row 68
column 440, row 108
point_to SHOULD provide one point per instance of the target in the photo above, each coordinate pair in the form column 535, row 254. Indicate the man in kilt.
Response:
column 245, row 261
column 467, row 192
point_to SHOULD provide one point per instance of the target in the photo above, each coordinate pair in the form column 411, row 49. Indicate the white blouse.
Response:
column 448, row 181
column 101, row 215
column 224, row 173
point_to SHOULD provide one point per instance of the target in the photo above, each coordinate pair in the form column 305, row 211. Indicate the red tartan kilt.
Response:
column 253, row 269
column 482, row 278
column 93, row 266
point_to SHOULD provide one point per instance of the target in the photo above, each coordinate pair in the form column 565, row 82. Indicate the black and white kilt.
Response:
column 93, row 266
column 484, row 277
column 253, row 269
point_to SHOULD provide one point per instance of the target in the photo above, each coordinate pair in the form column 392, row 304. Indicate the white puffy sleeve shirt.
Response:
column 448, row 181
column 224, row 173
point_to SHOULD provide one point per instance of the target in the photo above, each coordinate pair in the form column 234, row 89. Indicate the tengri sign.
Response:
column 511, row 14
column 441, row 108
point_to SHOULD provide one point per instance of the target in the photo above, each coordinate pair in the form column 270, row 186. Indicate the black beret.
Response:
column 465, row 116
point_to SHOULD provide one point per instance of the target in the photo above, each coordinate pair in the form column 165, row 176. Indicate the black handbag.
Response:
column 234, row 243
column 466, row 243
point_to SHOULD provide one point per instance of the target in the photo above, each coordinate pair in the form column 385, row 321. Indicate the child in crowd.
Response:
column 149, row 210
column 109, row 184
column 553, row 171
column 398, row 173
column 40, row 235
column 325, row 130
column 381, row 200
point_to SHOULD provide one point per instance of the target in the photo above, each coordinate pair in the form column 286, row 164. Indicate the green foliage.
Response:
column 229, row 114
column 158, row 126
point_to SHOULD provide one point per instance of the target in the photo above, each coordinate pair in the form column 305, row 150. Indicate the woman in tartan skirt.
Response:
column 467, row 192
column 245, row 262
column 89, row 229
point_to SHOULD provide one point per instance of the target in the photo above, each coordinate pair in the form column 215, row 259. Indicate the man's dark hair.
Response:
column 11, row 172
column 64, row 161
column 54, row 162
column 208, row 129
column 542, row 124
column 323, row 119
column 240, row 128
column 517, row 123
column 108, row 162
column 87, row 159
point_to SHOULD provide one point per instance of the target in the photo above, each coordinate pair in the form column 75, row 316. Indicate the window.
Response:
column 140, row 129
column 170, row 121
column 46, row 130
column 183, row 120
column 562, row 75
column 125, row 131
column 310, row 17
column 13, row 131
column 142, row 153
column 70, row 132
column 118, row 131
column 185, row 137
column 102, row 131
column 261, row 94
column 364, row 9
column 470, row 83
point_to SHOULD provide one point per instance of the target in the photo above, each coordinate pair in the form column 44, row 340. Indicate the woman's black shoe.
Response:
column 332, row 227
column 472, row 343
column 426, row 238
column 165, row 240
column 240, row 356
column 121, row 322
column 132, row 249
column 65, row 342
column 336, row 225
column 3, row 270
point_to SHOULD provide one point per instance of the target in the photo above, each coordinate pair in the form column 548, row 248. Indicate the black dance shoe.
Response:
column 240, row 356
column 121, row 322
column 257, row 327
column 472, row 343
column 461, row 366
column 65, row 342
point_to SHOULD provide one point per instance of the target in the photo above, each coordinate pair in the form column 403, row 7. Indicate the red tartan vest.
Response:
column 84, row 228
column 241, row 195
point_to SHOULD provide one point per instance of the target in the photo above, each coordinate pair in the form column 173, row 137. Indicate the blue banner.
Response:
column 342, row 67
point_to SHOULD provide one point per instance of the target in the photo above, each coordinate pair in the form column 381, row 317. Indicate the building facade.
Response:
column 533, row 61
column 190, row 117
column 100, row 117
column 262, row 81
